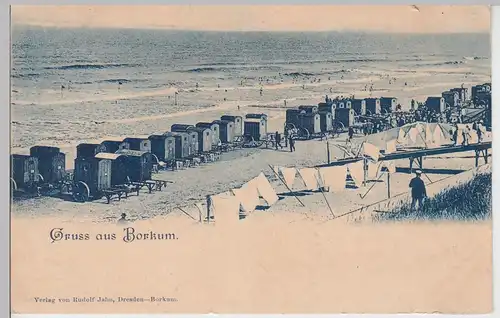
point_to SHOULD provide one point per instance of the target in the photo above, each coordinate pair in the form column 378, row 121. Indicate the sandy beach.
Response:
column 239, row 166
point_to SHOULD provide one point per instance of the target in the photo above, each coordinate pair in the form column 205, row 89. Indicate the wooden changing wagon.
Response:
column 344, row 117
column 238, row 124
column 305, row 125
column 372, row 106
column 193, row 137
column 182, row 146
column 326, row 121
column 359, row 106
column 139, row 169
column 388, row 104
column 89, row 150
column 204, row 139
column 309, row 109
column 215, row 131
column 226, row 131
column 24, row 173
column 163, row 147
column 327, row 107
column 51, row 164
column 112, row 146
column 105, row 175
column 135, row 143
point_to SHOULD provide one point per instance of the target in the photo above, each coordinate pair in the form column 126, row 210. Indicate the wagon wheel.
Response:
column 304, row 133
column 340, row 127
column 81, row 192
column 290, row 127
column 13, row 184
column 156, row 160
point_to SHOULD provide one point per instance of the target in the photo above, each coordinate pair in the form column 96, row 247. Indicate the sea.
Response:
column 61, row 79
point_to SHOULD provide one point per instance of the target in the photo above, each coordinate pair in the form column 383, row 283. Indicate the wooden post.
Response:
column 175, row 101
column 209, row 205
column 365, row 171
column 328, row 150
column 486, row 155
column 324, row 196
column 388, row 184
column 477, row 158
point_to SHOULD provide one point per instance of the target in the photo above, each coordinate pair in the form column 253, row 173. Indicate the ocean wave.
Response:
column 27, row 75
column 88, row 66
column 115, row 80
column 442, row 63
column 232, row 69
column 272, row 65
column 470, row 58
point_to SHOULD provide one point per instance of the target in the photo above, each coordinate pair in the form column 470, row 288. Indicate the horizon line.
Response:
column 166, row 28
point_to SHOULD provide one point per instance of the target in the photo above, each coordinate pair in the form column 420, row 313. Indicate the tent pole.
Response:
column 186, row 213
column 388, row 184
column 328, row 150
column 209, row 201
column 324, row 196
column 284, row 183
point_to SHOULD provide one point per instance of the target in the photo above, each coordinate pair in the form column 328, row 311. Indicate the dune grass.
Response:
column 469, row 201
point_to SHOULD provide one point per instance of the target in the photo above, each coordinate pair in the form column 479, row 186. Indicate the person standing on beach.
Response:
column 350, row 133
column 466, row 135
column 292, row 143
column 418, row 191
column 123, row 219
column 277, row 140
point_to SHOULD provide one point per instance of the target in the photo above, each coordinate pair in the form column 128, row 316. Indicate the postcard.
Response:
column 251, row 159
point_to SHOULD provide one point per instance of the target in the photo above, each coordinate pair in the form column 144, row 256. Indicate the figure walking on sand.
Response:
column 291, row 142
column 350, row 133
column 418, row 191
column 277, row 140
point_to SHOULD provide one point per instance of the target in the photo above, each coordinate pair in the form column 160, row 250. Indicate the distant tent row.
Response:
column 414, row 135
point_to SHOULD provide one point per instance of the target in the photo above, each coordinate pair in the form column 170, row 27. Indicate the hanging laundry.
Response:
column 248, row 196
column 373, row 170
column 460, row 137
column 225, row 209
column 474, row 138
column 265, row 189
column 391, row 146
column 310, row 177
column 438, row 136
column 288, row 175
column 277, row 169
column 412, row 135
column 201, row 210
column 429, row 137
column 333, row 177
column 371, row 151
column 391, row 166
column 356, row 170
column 402, row 136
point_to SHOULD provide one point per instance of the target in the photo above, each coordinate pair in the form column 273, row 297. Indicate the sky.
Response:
column 398, row 19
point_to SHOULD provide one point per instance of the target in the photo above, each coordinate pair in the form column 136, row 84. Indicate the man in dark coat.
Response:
column 292, row 143
column 350, row 133
column 277, row 140
column 418, row 192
